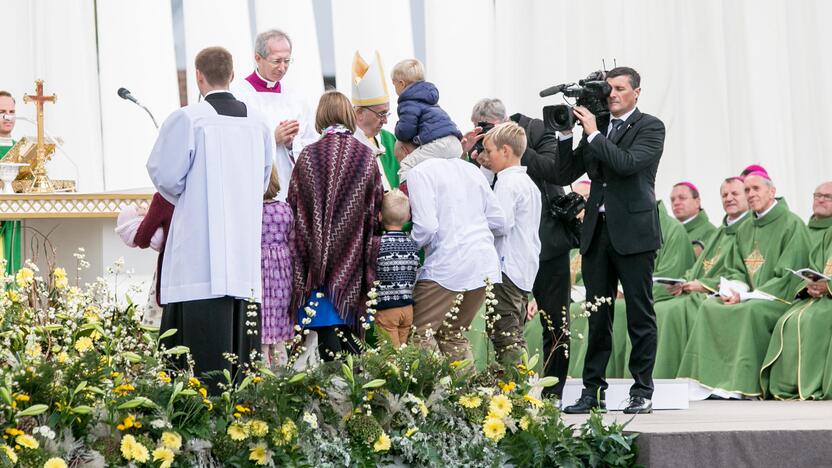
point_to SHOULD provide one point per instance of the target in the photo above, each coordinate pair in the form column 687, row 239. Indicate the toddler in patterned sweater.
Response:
column 398, row 261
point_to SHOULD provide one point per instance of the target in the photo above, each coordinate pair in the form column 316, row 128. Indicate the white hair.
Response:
column 264, row 37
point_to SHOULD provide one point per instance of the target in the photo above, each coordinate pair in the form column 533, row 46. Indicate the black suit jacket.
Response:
column 540, row 159
column 623, row 174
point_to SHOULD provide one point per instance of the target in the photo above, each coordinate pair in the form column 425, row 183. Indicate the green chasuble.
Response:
column 798, row 364
column 673, row 259
column 675, row 316
column 817, row 228
column 388, row 160
column 727, row 343
column 700, row 228
column 10, row 235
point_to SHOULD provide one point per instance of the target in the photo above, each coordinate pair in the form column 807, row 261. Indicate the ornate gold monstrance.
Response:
column 34, row 178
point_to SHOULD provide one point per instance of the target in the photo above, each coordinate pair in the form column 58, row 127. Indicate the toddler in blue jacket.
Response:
column 422, row 122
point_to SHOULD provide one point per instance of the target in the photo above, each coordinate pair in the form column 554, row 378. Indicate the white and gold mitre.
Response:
column 369, row 84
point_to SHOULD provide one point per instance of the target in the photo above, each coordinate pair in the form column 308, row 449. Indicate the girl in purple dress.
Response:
column 277, row 324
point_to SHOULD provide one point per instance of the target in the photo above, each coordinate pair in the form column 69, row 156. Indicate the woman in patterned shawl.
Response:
column 336, row 192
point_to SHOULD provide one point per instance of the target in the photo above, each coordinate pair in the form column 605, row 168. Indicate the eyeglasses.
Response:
column 380, row 115
column 822, row 197
column 285, row 61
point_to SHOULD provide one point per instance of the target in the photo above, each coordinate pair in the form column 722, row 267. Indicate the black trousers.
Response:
column 330, row 343
column 602, row 269
column 211, row 328
column 551, row 291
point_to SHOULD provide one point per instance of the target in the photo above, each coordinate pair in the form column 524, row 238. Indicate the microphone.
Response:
column 124, row 93
column 552, row 90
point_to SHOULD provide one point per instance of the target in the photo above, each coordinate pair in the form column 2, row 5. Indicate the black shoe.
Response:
column 585, row 404
column 639, row 405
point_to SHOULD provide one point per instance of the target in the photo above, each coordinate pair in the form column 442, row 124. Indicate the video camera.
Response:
column 486, row 127
column 591, row 93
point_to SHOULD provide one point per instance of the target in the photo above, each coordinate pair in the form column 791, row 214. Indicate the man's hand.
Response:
column 694, row 286
column 531, row 309
column 471, row 138
column 141, row 210
column 286, row 131
column 675, row 289
column 734, row 298
column 586, row 118
column 817, row 288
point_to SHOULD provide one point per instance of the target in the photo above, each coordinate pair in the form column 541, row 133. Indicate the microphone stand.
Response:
column 150, row 114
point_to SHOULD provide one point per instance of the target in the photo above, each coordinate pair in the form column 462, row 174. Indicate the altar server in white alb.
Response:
column 287, row 114
column 212, row 161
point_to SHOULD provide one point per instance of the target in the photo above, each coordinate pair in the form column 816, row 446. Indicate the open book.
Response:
column 809, row 274
column 667, row 281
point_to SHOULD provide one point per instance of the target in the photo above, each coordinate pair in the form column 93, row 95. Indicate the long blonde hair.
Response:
column 274, row 185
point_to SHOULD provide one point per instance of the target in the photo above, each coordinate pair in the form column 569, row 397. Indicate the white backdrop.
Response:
column 735, row 82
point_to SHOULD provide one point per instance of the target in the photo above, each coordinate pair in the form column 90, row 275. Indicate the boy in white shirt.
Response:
column 517, row 242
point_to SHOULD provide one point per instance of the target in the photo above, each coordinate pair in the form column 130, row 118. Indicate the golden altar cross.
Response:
column 40, row 182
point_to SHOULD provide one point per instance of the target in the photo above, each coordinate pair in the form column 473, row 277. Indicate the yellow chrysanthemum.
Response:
column 500, row 406
column 382, row 444
column 411, row 431
column 494, row 428
column 12, row 295
column 533, row 401
column 171, row 440
column 59, row 275
column 55, row 463
column 33, row 350
column 507, row 387
column 62, row 357
column 237, row 431
column 194, row 382
column 260, row 454
column 524, row 422
column 27, row 441
column 91, row 313
column 123, row 389
column 9, row 453
column 131, row 449
column 25, row 277
column 164, row 377
column 288, row 430
column 470, row 401
column 259, row 428
column 22, row 397
column 83, row 344
column 12, row 431
column 165, row 455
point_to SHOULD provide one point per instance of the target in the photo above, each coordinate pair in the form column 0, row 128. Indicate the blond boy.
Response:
column 518, row 242
column 421, row 121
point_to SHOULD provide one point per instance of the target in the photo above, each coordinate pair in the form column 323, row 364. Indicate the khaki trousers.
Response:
column 396, row 322
column 436, row 330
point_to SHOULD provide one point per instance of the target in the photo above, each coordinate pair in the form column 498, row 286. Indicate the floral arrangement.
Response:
column 84, row 384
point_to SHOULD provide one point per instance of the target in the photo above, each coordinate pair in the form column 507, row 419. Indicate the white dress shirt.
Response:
column 518, row 242
column 454, row 214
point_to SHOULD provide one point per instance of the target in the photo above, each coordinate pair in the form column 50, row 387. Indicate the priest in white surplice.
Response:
column 212, row 161
column 287, row 114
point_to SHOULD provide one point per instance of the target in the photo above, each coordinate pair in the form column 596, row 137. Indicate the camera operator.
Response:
column 620, row 233
column 551, row 285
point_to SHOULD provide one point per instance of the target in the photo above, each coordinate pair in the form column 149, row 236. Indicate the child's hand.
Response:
column 531, row 309
column 471, row 138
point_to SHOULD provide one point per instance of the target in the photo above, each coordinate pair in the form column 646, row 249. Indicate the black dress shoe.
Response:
column 585, row 404
column 639, row 405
